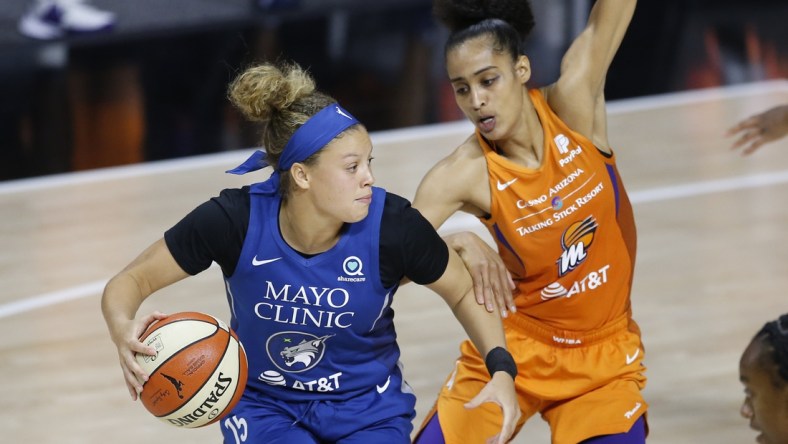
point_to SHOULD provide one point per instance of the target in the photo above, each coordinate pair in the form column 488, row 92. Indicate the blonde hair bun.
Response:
column 263, row 90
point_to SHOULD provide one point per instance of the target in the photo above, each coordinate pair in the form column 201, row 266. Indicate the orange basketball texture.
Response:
column 199, row 371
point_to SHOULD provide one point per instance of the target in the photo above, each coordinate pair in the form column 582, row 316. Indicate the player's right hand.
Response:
column 500, row 390
column 127, row 340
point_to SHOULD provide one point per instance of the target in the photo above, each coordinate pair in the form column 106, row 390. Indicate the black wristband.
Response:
column 499, row 359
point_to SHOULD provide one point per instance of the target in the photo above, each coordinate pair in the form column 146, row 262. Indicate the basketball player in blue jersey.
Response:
column 311, row 259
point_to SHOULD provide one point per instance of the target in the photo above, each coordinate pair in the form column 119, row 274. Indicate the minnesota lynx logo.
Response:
column 575, row 242
column 295, row 352
column 305, row 352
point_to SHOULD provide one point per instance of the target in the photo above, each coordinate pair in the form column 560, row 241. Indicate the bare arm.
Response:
column 578, row 96
column 153, row 269
column 459, row 183
column 456, row 288
column 486, row 331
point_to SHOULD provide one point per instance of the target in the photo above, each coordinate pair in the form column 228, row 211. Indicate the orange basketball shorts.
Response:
column 583, row 384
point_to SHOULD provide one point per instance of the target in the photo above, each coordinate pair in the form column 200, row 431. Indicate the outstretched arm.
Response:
column 578, row 96
column 760, row 129
column 153, row 269
column 589, row 56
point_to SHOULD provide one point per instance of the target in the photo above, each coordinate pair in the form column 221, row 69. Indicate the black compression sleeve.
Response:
column 212, row 232
column 409, row 246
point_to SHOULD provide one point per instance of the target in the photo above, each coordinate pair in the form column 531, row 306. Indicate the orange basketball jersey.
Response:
column 565, row 231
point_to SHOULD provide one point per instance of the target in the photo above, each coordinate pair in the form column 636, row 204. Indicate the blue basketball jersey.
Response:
column 318, row 327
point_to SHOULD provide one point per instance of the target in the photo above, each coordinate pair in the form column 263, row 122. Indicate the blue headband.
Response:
column 313, row 135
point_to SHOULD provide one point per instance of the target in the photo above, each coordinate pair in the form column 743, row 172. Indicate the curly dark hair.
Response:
column 774, row 335
column 508, row 22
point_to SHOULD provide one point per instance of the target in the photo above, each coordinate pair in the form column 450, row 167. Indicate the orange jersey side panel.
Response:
column 566, row 230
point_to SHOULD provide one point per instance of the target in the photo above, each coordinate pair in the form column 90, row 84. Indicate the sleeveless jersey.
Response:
column 565, row 230
column 313, row 328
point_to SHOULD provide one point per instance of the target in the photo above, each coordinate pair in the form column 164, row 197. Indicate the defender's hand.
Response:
column 492, row 283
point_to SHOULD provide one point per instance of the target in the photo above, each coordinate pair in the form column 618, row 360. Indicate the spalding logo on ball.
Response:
column 199, row 371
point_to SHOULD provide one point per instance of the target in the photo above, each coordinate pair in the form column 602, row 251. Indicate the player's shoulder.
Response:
column 233, row 197
column 469, row 150
column 468, row 156
column 234, row 194
column 233, row 203
column 395, row 203
column 401, row 210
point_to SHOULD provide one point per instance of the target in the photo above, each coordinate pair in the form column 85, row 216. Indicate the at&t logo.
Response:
column 591, row 281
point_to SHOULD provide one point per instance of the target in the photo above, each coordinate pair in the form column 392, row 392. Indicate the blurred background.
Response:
column 153, row 85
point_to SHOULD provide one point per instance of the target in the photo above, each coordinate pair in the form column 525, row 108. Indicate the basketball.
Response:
column 199, row 371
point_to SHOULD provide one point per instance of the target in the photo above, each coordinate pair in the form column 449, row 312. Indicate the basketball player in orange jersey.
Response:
column 540, row 174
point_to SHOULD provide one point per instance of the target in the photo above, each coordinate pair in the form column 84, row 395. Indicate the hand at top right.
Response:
column 760, row 129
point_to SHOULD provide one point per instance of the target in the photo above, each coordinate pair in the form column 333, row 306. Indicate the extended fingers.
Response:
column 481, row 286
column 480, row 398
column 503, row 287
column 148, row 320
column 510, row 419
column 754, row 146
column 507, row 289
column 507, row 429
column 497, row 289
column 747, row 137
column 509, row 406
column 136, row 347
column 135, row 377
column 750, row 122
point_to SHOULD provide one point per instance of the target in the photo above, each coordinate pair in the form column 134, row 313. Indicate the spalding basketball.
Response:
column 199, row 371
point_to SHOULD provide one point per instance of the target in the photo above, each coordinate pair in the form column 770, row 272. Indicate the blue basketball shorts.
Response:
column 365, row 418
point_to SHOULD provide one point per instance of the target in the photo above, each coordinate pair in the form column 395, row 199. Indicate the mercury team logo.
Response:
column 295, row 352
column 575, row 242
